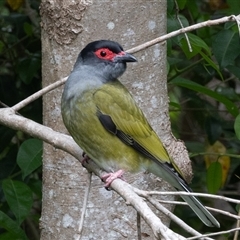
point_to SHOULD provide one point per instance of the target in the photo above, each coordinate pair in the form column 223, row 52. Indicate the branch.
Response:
column 134, row 50
column 9, row 118
column 38, row 94
column 179, row 20
column 185, row 30
column 237, row 217
column 56, row 139
column 84, row 205
column 217, row 233
column 125, row 190
column 238, row 226
column 131, row 195
column 173, row 217
column 66, row 143
column 189, row 194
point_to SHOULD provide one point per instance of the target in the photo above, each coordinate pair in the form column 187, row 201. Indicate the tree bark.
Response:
column 67, row 26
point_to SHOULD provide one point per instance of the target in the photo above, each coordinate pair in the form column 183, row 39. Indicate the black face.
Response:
column 107, row 57
column 93, row 46
column 103, row 49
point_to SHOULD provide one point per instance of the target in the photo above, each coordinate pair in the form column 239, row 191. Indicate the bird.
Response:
column 105, row 121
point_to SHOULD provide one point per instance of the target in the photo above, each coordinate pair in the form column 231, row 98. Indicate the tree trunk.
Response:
column 66, row 28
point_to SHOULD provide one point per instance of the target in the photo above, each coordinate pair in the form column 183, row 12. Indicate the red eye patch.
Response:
column 105, row 53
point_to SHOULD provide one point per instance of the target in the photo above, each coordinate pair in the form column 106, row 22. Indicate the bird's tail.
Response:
column 168, row 172
column 206, row 217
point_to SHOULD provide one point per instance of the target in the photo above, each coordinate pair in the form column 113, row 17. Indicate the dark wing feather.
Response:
column 120, row 115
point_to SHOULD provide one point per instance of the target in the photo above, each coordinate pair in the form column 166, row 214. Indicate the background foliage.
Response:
column 204, row 92
column 20, row 156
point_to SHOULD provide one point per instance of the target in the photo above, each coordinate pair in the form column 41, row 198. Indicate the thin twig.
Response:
column 215, row 234
column 139, row 232
column 84, row 207
column 237, row 19
column 10, row 119
column 179, row 20
column 138, row 48
column 237, row 217
column 172, row 216
column 214, row 153
column 125, row 190
column 179, row 193
column 66, row 143
column 238, row 226
column 3, row 104
column 38, row 94
column 184, row 30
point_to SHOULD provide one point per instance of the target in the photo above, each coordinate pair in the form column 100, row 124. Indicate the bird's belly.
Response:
column 109, row 152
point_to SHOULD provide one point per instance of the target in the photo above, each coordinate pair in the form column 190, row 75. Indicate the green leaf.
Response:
column 6, row 135
column 231, row 107
column 181, row 3
column 213, row 129
column 197, row 45
column 29, row 156
column 211, row 63
column 192, row 7
column 27, row 68
column 194, row 147
column 226, row 47
column 19, row 198
column 237, row 207
column 186, row 50
column 175, row 105
column 8, row 162
column 28, row 28
column 1, row 46
column 36, row 187
column 14, row 231
column 170, row 5
column 234, row 7
column 228, row 92
column 237, row 126
column 8, row 236
column 214, row 177
column 173, row 24
column 234, row 70
column 174, row 61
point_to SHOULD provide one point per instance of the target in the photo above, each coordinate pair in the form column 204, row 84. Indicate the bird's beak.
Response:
column 125, row 57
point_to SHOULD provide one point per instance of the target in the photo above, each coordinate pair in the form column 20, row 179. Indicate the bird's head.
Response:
column 107, row 57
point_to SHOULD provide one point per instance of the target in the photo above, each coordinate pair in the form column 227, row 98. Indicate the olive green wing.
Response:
column 120, row 115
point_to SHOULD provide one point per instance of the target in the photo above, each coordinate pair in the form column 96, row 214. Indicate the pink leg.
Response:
column 110, row 177
column 85, row 158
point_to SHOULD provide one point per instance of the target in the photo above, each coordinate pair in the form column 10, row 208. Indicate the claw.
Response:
column 85, row 159
column 110, row 177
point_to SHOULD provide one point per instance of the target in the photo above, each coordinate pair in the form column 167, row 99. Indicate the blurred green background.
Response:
column 204, row 93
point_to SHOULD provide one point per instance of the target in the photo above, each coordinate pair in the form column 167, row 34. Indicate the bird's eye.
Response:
column 103, row 53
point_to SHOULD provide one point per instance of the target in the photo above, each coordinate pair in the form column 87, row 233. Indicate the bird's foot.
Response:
column 110, row 177
column 85, row 159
